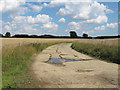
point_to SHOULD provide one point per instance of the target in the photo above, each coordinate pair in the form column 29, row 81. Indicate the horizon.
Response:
column 57, row 35
column 58, row 19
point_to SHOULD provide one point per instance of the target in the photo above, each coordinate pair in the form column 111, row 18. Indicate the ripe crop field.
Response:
column 20, row 41
column 10, row 42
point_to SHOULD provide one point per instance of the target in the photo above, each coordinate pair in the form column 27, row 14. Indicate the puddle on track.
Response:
column 56, row 60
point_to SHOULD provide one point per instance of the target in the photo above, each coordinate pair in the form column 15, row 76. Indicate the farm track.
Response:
column 88, row 73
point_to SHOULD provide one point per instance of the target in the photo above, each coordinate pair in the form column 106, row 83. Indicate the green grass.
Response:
column 15, row 63
column 100, row 51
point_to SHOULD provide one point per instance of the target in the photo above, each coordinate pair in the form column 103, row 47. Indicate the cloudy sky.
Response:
column 58, row 18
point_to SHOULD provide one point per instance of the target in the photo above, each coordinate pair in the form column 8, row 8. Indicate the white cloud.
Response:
column 91, row 32
column 85, row 32
column 99, row 19
column 80, row 27
column 45, row 4
column 28, row 24
column 29, row 19
column 13, row 7
column 10, row 5
column 38, row 19
column 62, row 20
column 66, row 30
column 109, row 11
column 93, row 12
column 50, row 26
column 55, row 3
column 88, row 32
column 36, row 8
column 74, row 26
column 8, row 28
column 42, row 18
column 83, row 26
column 89, row 13
column 1, row 24
column 103, row 27
column 112, row 25
column 100, row 28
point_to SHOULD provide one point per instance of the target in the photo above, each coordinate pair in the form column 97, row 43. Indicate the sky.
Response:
column 59, row 18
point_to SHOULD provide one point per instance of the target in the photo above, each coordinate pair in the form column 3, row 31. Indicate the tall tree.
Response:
column 85, row 35
column 73, row 34
column 7, row 34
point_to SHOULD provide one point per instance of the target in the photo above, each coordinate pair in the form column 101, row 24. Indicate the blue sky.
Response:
column 59, row 18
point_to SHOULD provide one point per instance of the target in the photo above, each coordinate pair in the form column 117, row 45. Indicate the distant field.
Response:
column 19, row 41
column 8, row 42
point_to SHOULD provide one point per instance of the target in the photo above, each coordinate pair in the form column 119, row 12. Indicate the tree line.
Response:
column 73, row 34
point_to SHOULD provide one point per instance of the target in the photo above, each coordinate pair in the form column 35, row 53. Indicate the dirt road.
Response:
column 88, row 73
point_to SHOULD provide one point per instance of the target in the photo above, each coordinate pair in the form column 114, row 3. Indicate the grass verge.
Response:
column 100, row 51
column 15, row 63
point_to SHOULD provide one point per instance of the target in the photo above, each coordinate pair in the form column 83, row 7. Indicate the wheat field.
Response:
column 11, row 42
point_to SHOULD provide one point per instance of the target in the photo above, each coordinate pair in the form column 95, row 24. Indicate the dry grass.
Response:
column 11, row 42
column 19, row 41
column 100, row 50
column 110, row 42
